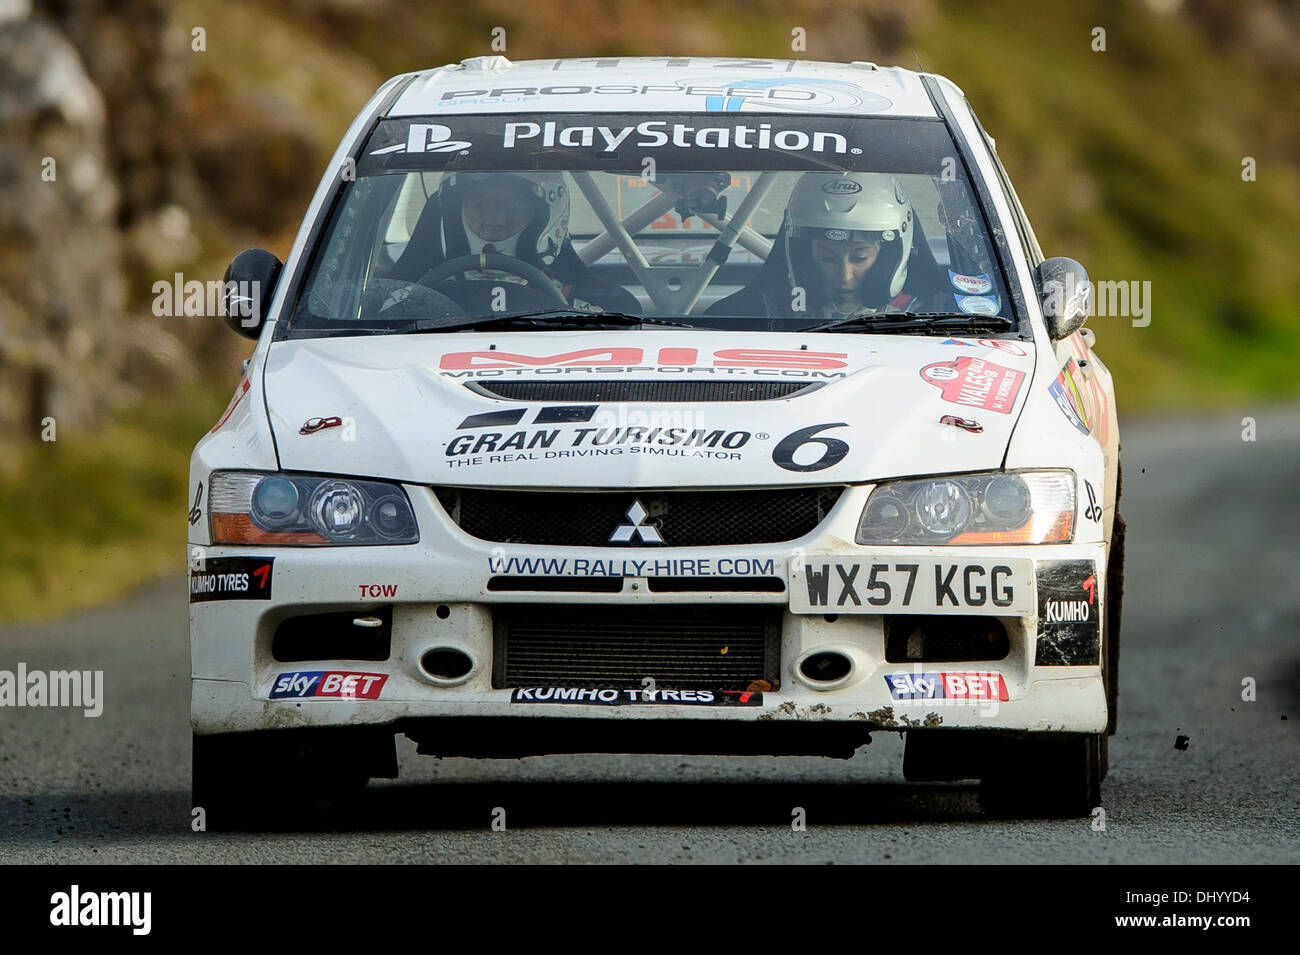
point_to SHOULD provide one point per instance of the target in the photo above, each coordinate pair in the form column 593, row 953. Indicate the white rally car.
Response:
column 659, row 405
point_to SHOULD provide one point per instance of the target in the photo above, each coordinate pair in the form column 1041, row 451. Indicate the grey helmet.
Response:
column 859, row 206
column 541, row 240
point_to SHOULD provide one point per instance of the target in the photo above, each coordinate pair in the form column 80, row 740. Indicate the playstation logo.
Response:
column 425, row 138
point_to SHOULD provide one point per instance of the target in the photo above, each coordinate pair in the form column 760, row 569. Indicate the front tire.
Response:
column 241, row 779
column 1045, row 778
column 1114, row 607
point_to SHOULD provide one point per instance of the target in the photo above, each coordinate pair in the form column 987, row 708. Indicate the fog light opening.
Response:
column 446, row 664
column 826, row 666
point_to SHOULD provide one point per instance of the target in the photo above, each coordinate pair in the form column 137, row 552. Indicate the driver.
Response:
column 524, row 215
column 843, row 251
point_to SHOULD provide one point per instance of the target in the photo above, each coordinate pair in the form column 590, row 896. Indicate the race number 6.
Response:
column 833, row 453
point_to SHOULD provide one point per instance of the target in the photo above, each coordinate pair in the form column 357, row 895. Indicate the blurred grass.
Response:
column 1130, row 161
column 90, row 517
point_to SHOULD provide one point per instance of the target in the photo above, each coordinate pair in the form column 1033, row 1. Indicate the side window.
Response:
column 1035, row 251
column 1027, row 238
column 363, row 215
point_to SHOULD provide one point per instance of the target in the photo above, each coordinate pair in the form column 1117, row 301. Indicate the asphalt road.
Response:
column 1213, row 597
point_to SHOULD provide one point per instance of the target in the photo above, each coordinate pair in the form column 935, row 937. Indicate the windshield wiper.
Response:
column 619, row 318
column 893, row 321
column 550, row 318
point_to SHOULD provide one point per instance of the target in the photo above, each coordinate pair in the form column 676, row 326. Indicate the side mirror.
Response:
column 1067, row 294
column 246, row 290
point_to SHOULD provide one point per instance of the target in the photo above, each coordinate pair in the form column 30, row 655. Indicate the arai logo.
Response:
column 841, row 187
column 425, row 138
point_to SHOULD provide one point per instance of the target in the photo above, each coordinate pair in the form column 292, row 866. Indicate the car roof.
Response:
column 494, row 84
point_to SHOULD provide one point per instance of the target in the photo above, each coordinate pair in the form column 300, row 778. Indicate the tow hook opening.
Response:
column 447, row 665
column 825, row 669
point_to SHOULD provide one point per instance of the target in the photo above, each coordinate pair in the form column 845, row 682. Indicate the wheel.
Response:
column 944, row 755
column 1114, row 607
column 535, row 277
column 245, row 778
column 1045, row 778
column 395, row 300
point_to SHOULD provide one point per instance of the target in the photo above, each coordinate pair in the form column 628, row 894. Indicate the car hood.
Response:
column 628, row 408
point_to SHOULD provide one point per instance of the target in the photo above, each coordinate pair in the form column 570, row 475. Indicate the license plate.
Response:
column 1001, row 587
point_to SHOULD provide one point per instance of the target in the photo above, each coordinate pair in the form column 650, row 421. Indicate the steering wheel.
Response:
column 535, row 277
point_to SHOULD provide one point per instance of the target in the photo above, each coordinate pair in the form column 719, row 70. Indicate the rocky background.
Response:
column 141, row 138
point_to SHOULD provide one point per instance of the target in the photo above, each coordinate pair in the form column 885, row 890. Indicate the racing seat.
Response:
column 760, row 297
column 926, row 278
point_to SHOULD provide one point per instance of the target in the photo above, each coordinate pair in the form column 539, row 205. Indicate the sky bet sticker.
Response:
column 947, row 686
column 232, row 578
column 328, row 684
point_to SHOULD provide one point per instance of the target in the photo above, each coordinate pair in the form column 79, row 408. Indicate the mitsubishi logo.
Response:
column 627, row 533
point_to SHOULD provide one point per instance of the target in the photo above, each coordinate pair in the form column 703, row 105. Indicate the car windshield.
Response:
column 736, row 221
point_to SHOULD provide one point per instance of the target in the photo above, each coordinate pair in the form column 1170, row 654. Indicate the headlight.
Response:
column 336, row 510
column 1005, row 507
column 275, row 500
column 942, row 507
column 251, row 508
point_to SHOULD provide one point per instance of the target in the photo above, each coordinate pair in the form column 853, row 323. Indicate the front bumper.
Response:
column 437, row 592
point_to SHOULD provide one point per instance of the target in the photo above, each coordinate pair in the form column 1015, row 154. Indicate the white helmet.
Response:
column 859, row 206
column 541, row 239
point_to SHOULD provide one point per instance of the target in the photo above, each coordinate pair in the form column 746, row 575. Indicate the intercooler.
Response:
column 680, row 646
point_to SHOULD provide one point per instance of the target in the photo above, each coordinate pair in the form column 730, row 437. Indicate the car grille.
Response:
column 944, row 639
column 685, row 390
column 684, row 646
column 682, row 518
